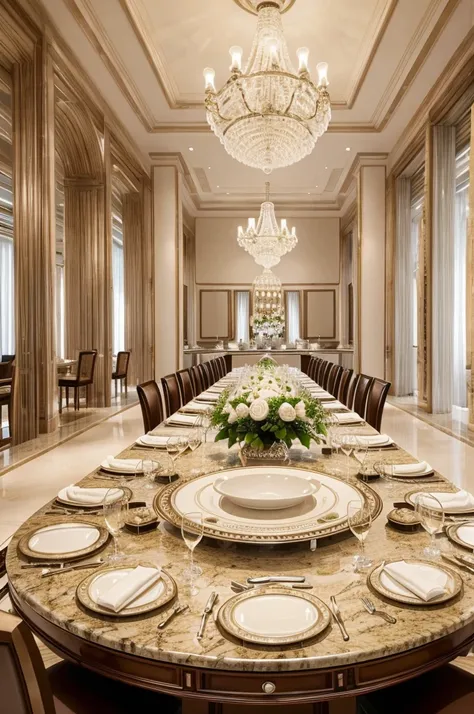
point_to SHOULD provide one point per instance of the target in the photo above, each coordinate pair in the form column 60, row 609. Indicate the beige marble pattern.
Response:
column 328, row 568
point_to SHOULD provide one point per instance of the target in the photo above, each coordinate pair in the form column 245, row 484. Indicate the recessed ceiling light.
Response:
column 191, row 148
column 309, row 193
column 317, row 186
column 325, row 167
column 209, row 168
column 348, row 148
column 227, row 193
column 218, row 186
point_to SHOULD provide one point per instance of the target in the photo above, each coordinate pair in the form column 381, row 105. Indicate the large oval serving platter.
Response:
column 318, row 516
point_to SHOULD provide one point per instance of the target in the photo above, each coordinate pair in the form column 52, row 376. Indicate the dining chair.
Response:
column 7, row 390
column 83, row 377
column 361, row 394
column 185, row 385
column 375, row 402
column 213, row 369
column 446, row 690
column 318, row 369
column 209, row 377
column 195, row 374
column 121, row 371
column 324, row 374
column 344, row 383
column 170, row 387
column 222, row 366
column 333, row 379
column 313, row 363
column 205, row 376
column 351, row 391
column 8, row 358
column 29, row 688
column 151, row 403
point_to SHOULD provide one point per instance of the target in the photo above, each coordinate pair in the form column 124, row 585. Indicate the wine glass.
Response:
column 174, row 448
column 359, row 518
column 194, row 442
column 346, row 443
column 386, row 472
column 192, row 530
column 431, row 515
column 150, row 469
column 360, row 452
column 115, row 511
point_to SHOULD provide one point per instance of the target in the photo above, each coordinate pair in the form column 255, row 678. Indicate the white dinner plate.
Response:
column 462, row 534
column 411, row 499
column 118, row 470
column 63, row 498
column 414, row 474
column 104, row 581
column 63, row 541
column 264, row 490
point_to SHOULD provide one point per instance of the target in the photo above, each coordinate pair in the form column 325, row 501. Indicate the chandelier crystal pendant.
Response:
column 268, row 319
column 267, row 242
column 269, row 115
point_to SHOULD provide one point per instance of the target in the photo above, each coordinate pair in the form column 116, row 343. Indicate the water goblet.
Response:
column 192, row 531
column 359, row 519
column 150, row 469
column 431, row 515
column 115, row 511
column 195, row 441
column 174, row 448
column 386, row 471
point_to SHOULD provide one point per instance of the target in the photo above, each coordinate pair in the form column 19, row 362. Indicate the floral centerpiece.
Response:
column 267, row 407
column 269, row 325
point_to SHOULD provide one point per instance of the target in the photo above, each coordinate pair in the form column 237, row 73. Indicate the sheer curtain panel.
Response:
column 404, row 292
column 7, row 307
column 119, row 304
column 292, row 316
column 243, row 316
column 444, row 187
column 460, row 273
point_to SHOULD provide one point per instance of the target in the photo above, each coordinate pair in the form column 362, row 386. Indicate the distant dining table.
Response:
column 226, row 665
column 65, row 366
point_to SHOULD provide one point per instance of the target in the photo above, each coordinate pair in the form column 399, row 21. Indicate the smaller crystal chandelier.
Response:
column 267, row 242
column 268, row 317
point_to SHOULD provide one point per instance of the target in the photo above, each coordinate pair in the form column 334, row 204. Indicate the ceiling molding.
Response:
column 360, row 159
column 204, row 128
column 251, row 5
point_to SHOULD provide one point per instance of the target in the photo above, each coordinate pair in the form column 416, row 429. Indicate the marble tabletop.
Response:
column 328, row 569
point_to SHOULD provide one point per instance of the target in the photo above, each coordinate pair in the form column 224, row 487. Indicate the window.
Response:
column 461, row 212
column 292, row 315
column 242, row 312
column 7, row 294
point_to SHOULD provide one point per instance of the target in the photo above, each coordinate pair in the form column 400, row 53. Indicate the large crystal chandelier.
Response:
column 267, row 242
column 268, row 115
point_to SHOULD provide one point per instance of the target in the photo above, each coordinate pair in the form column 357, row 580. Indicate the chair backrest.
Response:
column 212, row 366
column 171, row 393
column 313, row 363
column 351, row 391
column 344, row 383
column 361, row 393
column 196, row 379
column 8, row 358
column 334, row 379
column 376, row 402
column 25, row 688
column 324, row 374
column 206, row 374
column 121, row 365
column 151, row 403
column 185, row 385
column 86, row 365
column 6, row 369
column 221, row 367
column 318, row 369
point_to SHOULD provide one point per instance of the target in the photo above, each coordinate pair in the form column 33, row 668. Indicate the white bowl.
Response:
column 267, row 489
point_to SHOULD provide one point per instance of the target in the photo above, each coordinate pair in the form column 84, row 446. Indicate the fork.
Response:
column 372, row 610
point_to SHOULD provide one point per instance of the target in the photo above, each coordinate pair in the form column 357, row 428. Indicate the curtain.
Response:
column 7, row 306
column 404, row 292
column 444, row 187
column 345, row 282
column 119, row 305
column 459, row 321
column 243, row 316
column 60, row 311
column 292, row 316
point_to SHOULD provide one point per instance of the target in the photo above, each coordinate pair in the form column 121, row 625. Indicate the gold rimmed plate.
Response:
column 381, row 582
column 62, row 497
column 462, row 534
column 274, row 615
column 158, row 595
column 411, row 496
column 63, row 541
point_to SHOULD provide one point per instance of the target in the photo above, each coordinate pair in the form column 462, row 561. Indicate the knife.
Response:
column 336, row 613
column 276, row 579
column 459, row 563
column 175, row 611
column 207, row 611
column 70, row 568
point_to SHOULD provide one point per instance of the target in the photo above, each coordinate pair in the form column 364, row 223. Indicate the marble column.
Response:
column 132, row 225
column 168, row 262
column 371, row 270
column 35, row 408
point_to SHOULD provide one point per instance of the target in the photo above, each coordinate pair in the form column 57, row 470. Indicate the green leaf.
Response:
column 305, row 439
column 280, row 434
column 257, row 443
column 232, row 439
column 249, row 437
column 223, row 434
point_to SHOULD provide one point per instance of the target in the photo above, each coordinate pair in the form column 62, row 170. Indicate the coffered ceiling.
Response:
column 146, row 58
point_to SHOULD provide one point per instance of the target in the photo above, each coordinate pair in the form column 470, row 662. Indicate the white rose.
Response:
column 286, row 412
column 259, row 410
column 242, row 411
column 227, row 408
column 233, row 416
column 300, row 410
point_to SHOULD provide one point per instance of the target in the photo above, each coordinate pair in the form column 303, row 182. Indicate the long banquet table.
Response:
column 220, row 669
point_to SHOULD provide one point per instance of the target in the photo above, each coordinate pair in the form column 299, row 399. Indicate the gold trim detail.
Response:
column 24, row 548
column 373, row 579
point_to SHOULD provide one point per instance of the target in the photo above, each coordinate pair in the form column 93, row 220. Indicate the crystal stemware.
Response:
column 386, row 472
column 192, row 531
column 175, row 446
column 115, row 511
column 150, row 469
column 359, row 518
column 195, row 440
column 431, row 515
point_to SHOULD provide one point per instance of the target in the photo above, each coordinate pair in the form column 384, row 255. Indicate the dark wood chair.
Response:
column 324, row 374
column 212, row 366
column 446, row 690
column 318, row 369
column 7, row 389
column 312, row 367
column 361, row 394
column 221, row 366
column 351, row 391
column 344, row 383
column 83, row 378
column 29, row 688
column 206, row 375
column 375, row 402
column 151, row 404
column 185, row 385
column 8, row 358
column 334, row 378
column 196, row 379
column 170, row 387
column 121, row 371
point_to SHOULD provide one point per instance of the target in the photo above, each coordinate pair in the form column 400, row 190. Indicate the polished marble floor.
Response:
column 455, row 423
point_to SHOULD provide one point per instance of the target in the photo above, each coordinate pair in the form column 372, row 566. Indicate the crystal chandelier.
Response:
column 268, row 115
column 268, row 317
column 267, row 242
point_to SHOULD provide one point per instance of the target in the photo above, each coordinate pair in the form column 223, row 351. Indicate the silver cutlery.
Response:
column 240, row 587
column 372, row 610
column 206, row 612
column 178, row 608
column 336, row 613
column 458, row 562
column 70, row 568
column 264, row 579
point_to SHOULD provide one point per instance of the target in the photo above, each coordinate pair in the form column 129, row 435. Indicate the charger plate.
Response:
column 62, row 498
column 63, row 540
column 158, row 595
column 274, row 615
column 410, row 498
column 462, row 534
column 318, row 516
column 379, row 580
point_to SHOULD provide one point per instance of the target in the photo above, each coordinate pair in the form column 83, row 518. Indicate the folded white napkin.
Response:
column 129, row 588
column 193, row 406
column 417, row 468
column 92, row 496
column 123, row 465
column 182, row 420
column 207, row 397
column 421, row 580
column 376, row 440
column 348, row 418
column 158, row 442
column 321, row 395
column 334, row 405
column 460, row 501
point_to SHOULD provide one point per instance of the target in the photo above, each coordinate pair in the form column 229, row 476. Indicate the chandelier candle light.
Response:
column 269, row 115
